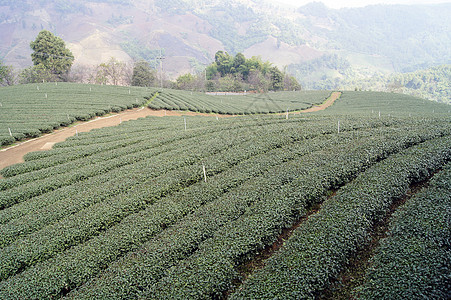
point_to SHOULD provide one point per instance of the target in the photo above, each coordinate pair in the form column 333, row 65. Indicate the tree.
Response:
column 290, row 83
column 228, row 73
column 276, row 79
column 185, row 82
column 112, row 72
column 35, row 74
column 51, row 56
column 143, row 75
column 224, row 62
column 258, row 81
column 82, row 73
column 6, row 75
column 212, row 71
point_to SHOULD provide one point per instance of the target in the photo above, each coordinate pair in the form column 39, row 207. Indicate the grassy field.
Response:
column 183, row 207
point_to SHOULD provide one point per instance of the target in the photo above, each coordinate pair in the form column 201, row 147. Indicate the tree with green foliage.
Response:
column 143, row 74
column 276, row 79
column 224, row 63
column 51, row 58
column 185, row 82
column 6, row 74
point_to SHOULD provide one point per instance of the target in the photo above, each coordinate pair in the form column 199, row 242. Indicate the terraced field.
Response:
column 183, row 207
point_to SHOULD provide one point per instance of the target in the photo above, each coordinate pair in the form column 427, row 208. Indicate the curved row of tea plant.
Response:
column 417, row 249
column 34, row 211
column 232, row 104
column 211, row 269
column 51, row 172
column 320, row 248
column 32, row 109
column 86, row 150
column 160, row 159
column 71, row 199
column 118, row 238
column 40, row 211
column 284, row 192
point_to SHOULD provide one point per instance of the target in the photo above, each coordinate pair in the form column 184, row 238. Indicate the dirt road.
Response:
column 334, row 96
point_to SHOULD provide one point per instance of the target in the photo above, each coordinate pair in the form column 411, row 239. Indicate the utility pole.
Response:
column 161, row 57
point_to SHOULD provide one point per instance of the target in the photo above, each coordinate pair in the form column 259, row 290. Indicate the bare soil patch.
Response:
column 334, row 96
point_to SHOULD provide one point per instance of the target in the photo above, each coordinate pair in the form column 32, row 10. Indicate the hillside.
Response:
column 189, row 32
column 252, row 206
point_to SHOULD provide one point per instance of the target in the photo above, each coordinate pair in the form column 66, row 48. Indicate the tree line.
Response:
column 53, row 61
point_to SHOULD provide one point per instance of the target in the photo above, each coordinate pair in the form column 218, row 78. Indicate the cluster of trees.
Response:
column 234, row 73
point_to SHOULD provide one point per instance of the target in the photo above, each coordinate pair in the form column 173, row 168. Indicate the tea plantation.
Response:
column 30, row 110
column 181, row 207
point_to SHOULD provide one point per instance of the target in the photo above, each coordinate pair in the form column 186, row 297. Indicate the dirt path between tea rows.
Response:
column 329, row 101
column 14, row 154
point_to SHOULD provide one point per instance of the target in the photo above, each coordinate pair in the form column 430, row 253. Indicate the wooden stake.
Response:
column 184, row 118
column 10, row 133
column 205, row 173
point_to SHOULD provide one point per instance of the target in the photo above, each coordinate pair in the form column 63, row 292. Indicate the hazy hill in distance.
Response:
column 316, row 43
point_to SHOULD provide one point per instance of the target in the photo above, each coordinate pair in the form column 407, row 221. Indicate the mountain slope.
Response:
column 189, row 32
